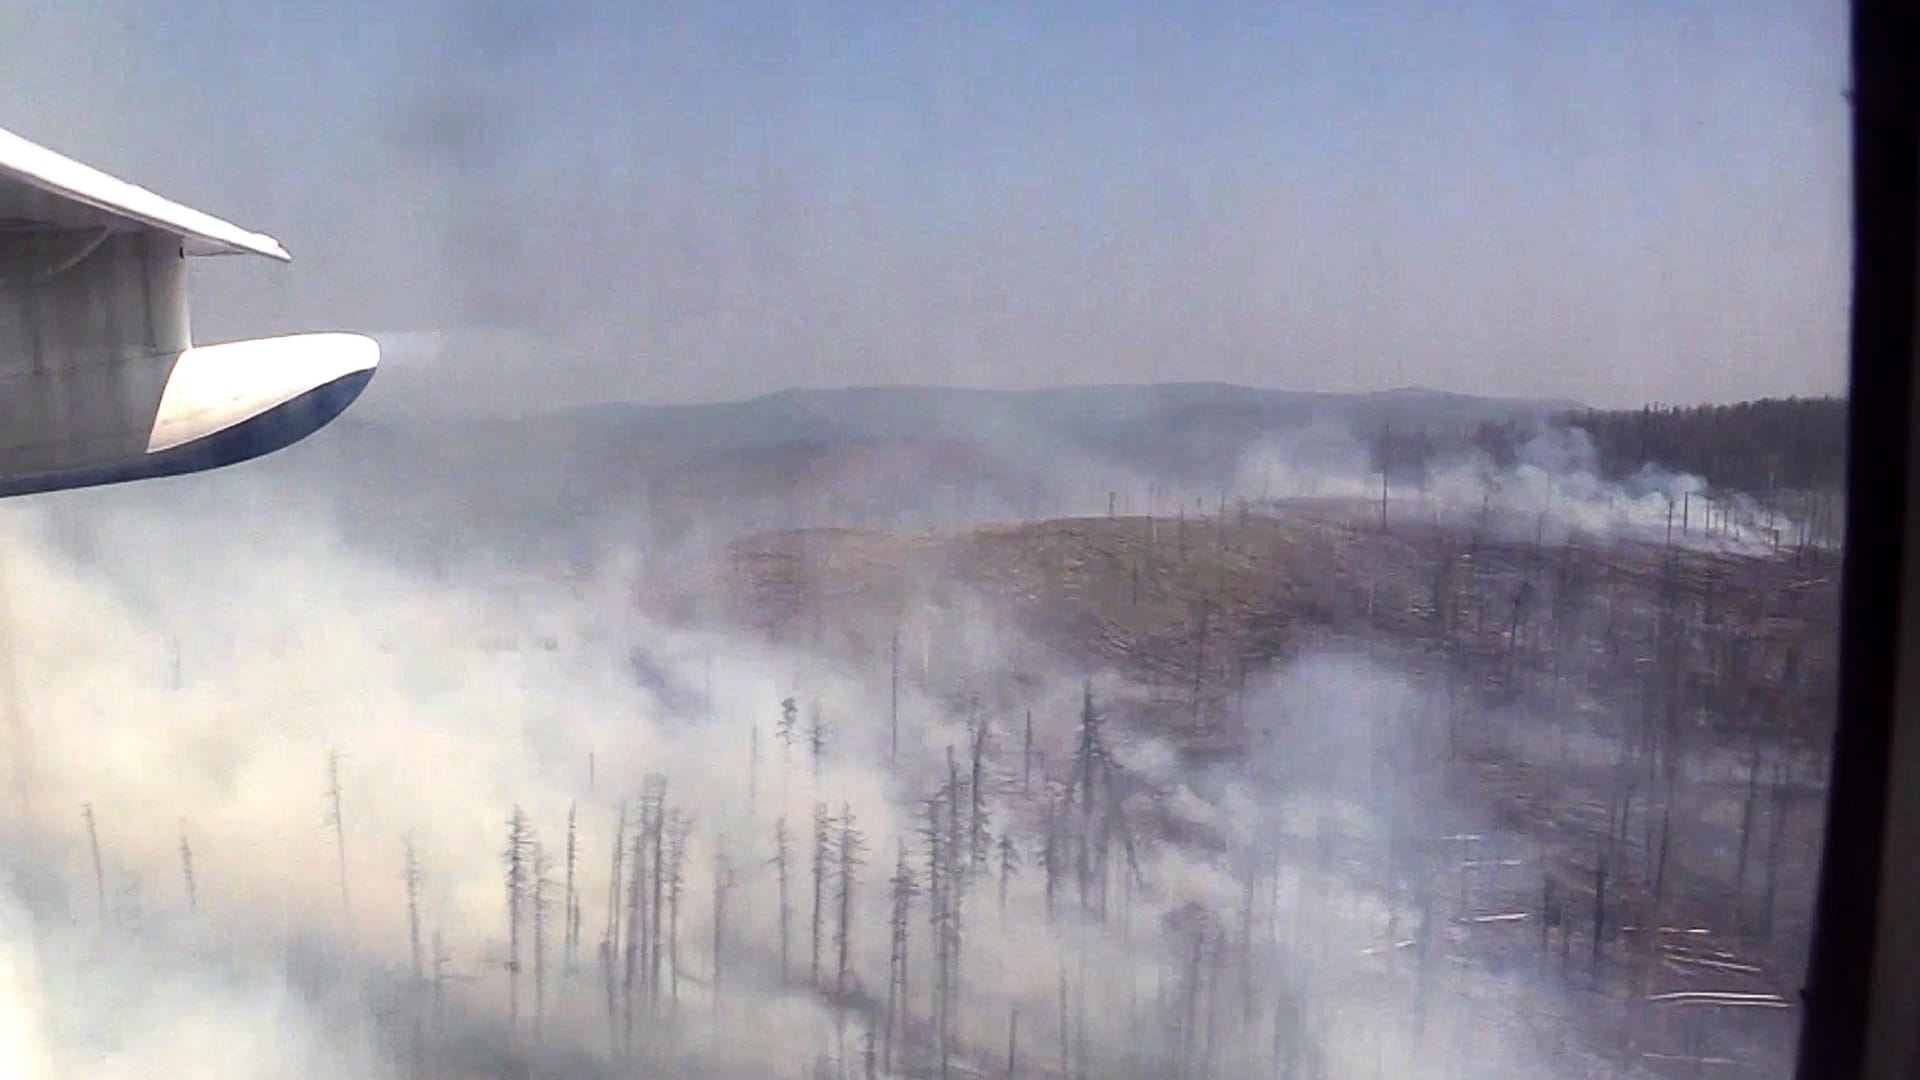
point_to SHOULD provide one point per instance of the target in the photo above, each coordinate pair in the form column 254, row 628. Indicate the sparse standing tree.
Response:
column 822, row 856
column 410, row 875
column 1009, row 865
column 848, row 861
column 569, row 904
column 1050, row 843
column 816, row 736
column 93, row 846
column 782, row 863
column 979, row 839
column 939, row 889
column 902, row 888
column 657, row 788
column 186, row 872
column 680, row 828
column 337, row 819
column 1026, row 757
column 787, row 729
column 519, row 841
column 636, row 943
column 610, row 941
column 723, row 881
column 542, row 904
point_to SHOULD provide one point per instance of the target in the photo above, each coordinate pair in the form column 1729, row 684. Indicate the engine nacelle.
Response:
column 220, row 405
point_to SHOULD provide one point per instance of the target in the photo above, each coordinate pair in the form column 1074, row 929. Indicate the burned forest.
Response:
column 1485, row 773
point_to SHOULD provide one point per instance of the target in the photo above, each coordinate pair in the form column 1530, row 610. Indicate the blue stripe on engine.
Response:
column 277, row 428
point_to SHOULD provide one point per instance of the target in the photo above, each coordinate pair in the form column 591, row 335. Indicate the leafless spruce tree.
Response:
column 518, row 861
column 337, row 820
column 934, row 835
column 610, row 938
column 816, row 736
column 902, row 889
column 1026, row 757
column 723, row 883
column 848, row 860
column 656, row 793
column 679, row 831
column 1009, row 865
column 636, row 945
column 410, row 876
column 979, row 838
column 569, row 902
column 186, row 873
column 542, row 905
column 93, row 847
column 822, row 867
column 782, row 863
column 1051, row 855
column 787, row 730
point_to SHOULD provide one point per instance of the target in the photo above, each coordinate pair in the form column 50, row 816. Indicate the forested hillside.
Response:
column 1752, row 446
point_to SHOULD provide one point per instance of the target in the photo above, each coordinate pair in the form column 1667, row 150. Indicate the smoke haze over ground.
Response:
column 190, row 657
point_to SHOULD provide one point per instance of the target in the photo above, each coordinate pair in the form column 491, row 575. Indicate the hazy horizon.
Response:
column 685, row 204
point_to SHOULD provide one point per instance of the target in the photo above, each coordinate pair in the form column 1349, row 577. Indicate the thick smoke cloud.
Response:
column 188, row 657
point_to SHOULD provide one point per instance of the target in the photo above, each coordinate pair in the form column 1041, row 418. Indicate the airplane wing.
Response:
column 59, row 192
column 100, row 380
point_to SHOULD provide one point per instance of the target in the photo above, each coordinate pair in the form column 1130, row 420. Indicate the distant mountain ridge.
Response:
column 1088, row 417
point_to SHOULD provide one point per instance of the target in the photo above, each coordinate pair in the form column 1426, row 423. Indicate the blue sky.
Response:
column 1616, row 203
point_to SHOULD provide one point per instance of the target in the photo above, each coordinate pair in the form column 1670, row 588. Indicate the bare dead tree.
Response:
column 1009, row 865
column 848, row 860
column 939, row 892
column 816, row 735
column 1026, row 757
column 542, row 905
column 518, row 864
column 1066, row 1026
column 1013, row 1042
column 979, row 839
column 822, row 867
column 893, row 705
column 902, row 888
column 93, row 846
column 636, row 945
column 610, row 941
column 410, row 875
column 186, row 872
column 656, row 791
column 723, row 882
column 1089, row 754
column 569, row 904
column 679, row 830
column 337, row 820
column 1050, row 853
column 787, row 729
column 782, row 863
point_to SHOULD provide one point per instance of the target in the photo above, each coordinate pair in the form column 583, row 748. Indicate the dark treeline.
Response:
column 1752, row 446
